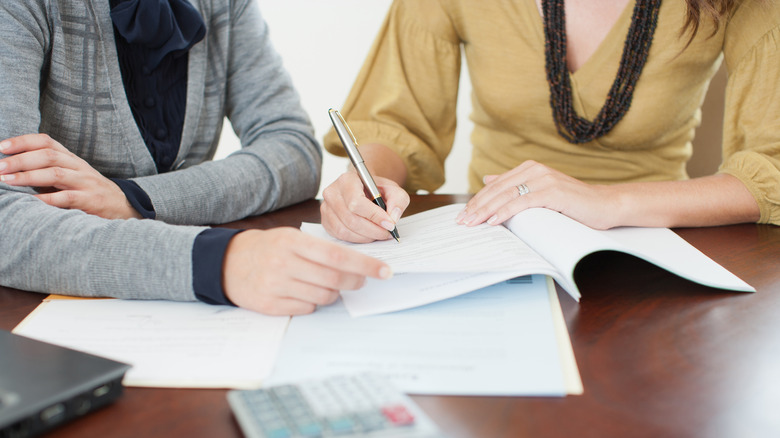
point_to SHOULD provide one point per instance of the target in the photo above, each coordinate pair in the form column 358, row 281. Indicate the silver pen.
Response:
column 351, row 146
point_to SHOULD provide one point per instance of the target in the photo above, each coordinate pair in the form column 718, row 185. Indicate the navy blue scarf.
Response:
column 160, row 26
column 152, row 39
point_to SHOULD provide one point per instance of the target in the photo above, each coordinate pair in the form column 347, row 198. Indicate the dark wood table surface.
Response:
column 659, row 356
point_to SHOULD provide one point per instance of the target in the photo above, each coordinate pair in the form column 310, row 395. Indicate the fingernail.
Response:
column 470, row 219
column 387, row 225
column 492, row 219
column 396, row 214
column 3, row 165
column 385, row 273
column 7, row 177
column 4, row 145
column 460, row 216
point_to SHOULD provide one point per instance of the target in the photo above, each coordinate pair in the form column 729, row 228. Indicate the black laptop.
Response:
column 44, row 385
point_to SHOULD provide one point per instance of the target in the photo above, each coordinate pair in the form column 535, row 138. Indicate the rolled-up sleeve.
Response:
column 751, row 140
column 405, row 95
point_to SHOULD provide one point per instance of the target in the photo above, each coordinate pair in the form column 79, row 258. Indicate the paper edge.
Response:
column 571, row 374
column 28, row 318
column 192, row 384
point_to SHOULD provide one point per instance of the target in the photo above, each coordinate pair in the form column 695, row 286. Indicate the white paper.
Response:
column 405, row 291
column 437, row 259
column 432, row 242
column 169, row 344
column 499, row 340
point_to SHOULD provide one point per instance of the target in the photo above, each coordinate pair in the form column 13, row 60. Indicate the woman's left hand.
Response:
column 532, row 184
column 37, row 160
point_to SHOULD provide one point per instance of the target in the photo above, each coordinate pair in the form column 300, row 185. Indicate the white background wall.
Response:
column 323, row 44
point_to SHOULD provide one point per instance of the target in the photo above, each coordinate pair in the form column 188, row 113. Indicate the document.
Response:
column 499, row 340
column 168, row 344
column 437, row 258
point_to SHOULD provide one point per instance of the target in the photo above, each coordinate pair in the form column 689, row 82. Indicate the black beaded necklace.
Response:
column 571, row 126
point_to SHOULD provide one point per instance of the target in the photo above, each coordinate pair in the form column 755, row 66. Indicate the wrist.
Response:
column 137, row 202
column 235, row 268
column 641, row 205
column 620, row 203
column 130, row 212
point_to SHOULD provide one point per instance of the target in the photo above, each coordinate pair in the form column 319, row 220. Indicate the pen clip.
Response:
column 350, row 145
column 343, row 123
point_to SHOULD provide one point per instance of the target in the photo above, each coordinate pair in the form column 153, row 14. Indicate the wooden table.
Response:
column 659, row 356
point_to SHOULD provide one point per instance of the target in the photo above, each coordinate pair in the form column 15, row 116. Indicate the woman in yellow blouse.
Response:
column 587, row 108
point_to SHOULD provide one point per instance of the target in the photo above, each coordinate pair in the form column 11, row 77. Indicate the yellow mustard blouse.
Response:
column 406, row 92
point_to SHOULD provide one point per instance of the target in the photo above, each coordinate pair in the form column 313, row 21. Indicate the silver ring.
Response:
column 523, row 189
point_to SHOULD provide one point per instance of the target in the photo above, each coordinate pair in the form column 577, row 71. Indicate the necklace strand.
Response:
column 569, row 124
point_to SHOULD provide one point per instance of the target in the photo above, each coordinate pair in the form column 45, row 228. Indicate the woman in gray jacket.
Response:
column 110, row 112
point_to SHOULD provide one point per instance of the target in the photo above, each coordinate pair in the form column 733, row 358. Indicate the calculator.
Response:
column 345, row 406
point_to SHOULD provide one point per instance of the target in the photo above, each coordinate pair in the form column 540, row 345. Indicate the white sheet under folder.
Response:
column 506, row 339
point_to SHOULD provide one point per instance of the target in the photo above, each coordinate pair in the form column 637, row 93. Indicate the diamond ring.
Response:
column 523, row 189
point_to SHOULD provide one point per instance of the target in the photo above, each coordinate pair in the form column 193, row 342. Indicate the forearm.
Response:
column 47, row 249
column 383, row 161
column 279, row 170
column 709, row 201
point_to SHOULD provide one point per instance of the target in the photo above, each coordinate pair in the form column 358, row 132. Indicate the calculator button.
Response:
column 310, row 430
column 341, row 425
column 278, row 433
column 371, row 420
column 398, row 415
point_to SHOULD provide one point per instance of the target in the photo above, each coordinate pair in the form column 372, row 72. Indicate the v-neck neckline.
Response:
column 196, row 78
column 610, row 47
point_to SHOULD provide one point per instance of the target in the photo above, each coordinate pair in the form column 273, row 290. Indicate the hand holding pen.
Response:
column 351, row 147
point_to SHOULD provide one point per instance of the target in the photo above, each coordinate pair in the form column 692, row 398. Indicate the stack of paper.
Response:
column 508, row 339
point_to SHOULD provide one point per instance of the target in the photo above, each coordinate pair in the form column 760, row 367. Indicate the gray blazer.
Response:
column 59, row 75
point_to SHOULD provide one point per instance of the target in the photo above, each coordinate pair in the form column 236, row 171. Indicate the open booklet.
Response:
column 438, row 259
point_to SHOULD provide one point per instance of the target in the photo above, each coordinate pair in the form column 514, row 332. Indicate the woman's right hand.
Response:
column 283, row 271
column 348, row 214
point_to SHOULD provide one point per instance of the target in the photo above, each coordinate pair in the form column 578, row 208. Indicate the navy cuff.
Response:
column 208, row 253
column 137, row 197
